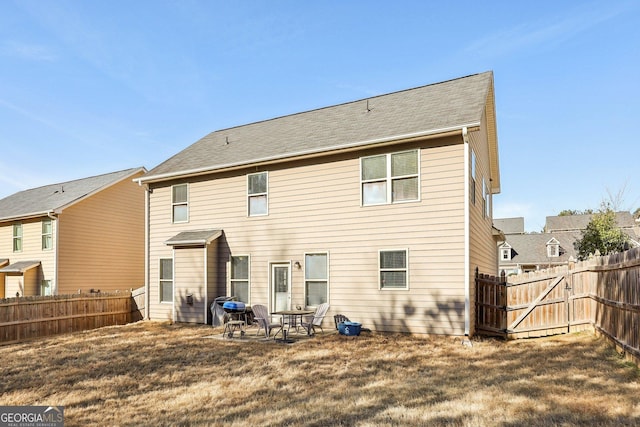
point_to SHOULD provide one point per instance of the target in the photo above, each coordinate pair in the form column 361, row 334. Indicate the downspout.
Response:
column 147, row 290
column 55, row 219
column 467, row 262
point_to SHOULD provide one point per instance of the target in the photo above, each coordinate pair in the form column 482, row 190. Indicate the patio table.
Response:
column 293, row 316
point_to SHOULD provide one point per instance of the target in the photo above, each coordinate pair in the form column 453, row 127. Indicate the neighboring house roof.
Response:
column 20, row 267
column 510, row 225
column 580, row 222
column 55, row 197
column 3, row 262
column 532, row 248
column 428, row 110
column 194, row 238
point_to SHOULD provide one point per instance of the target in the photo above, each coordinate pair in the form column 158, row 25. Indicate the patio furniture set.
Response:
column 300, row 321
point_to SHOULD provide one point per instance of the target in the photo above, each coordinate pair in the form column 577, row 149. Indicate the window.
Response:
column 390, row 178
column 166, row 280
column 553, row 248
column 180, row 203
column 45, row 288
column 47, row 234
column 240, row 277
column 505, row 254
column 473, row 176
column 17, row 237
column 316, row 278
column 485, row 199
column 257, row 193
column 393, row 269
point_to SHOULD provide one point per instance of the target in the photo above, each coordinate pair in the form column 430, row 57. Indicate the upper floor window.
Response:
column 394, row 271
column 17, row 237
column 390, row 178
column 180, row 203
column 316, row 278
column 240, row 278
column 553, row 248
column 505, row 253
column 473, row 176
column 257, row 194
column 47, row 234
column 166, row 280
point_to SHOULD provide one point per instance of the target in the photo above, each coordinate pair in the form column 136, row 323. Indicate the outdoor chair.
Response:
column 315, row 321
column 262, row 317
column 339, row 318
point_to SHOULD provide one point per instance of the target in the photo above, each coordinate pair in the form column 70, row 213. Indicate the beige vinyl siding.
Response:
column 31, row 251
column 101, row 242
column 483, row 248
column 315, row 206
column 2, row 285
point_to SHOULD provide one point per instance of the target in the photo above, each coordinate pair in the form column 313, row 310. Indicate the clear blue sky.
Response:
column 89, row 87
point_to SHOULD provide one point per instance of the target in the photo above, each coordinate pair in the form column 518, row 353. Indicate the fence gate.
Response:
column 531, row 308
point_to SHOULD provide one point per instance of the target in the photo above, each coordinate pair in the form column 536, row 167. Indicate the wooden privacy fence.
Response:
column 602, row 293
column 41, row 316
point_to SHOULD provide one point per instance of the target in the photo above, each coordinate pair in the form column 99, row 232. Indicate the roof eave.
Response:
column 397, row 139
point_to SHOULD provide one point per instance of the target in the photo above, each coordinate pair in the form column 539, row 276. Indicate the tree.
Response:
column 602, row 234
column 569, row 212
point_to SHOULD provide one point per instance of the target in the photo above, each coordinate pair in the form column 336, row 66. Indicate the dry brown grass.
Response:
column 160, row 374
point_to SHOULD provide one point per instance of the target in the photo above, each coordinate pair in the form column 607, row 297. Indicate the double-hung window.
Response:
column 316, row 278
column 45, row 288
column 240, row 278
column 47, row 234
column 180, row 203
column 17, row 237
column 166, row 280
column 258, row 194
column 394, row 270
column 473, row 176
column 390, row 178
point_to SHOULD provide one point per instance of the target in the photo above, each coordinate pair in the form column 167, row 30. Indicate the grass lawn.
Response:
column 160, row 374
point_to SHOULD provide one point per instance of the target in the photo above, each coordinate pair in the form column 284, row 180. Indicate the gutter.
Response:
column 430, row 134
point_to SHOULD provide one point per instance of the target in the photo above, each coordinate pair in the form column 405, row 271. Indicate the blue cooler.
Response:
column 349, row 329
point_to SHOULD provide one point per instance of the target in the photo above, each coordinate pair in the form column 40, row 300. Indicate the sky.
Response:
column 91, row 87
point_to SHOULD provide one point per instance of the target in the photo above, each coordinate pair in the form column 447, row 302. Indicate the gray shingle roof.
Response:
column 428, row 109
column 580, row 222
column 510, row 225
column 20, row 267
column 532, row 248
column 54, row 197
column 194, row 238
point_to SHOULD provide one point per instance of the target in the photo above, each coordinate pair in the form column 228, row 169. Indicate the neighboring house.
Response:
column 381, row 207
column 522, row 252
column 86, row 234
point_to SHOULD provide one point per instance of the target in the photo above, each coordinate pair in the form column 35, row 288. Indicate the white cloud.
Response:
column 28, row 51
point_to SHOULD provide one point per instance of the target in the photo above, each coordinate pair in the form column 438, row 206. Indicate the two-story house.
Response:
column 521, row 252
column 78, row 235
column 381, row 207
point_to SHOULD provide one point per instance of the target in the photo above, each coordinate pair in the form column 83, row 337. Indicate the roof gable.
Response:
column 55, row 197
column 426, row 110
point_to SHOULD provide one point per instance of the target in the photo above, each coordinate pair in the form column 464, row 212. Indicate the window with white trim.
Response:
column 47, row 234
column 393, row 268
column 258, row 194
column 505, row 253
column 166, row 280
column 180, row 203
column 45, row 288
column 390, row 178
column 473, row 176
column 17, row 237
column 239, row 278
column 485, row 195
column 316, row 278
column 553, row 248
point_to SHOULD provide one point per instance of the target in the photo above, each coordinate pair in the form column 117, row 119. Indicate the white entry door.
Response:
column 280, row 287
